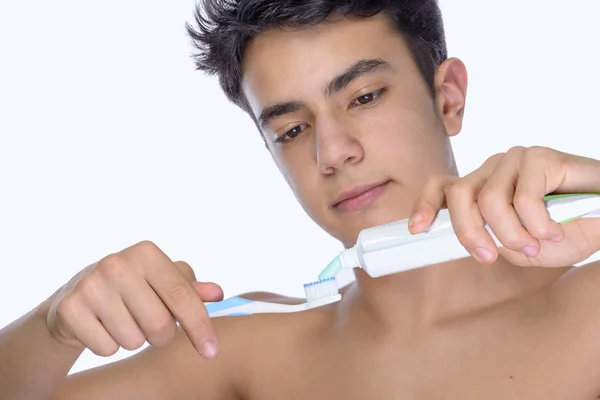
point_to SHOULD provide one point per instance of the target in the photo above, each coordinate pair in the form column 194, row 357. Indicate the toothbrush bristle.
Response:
column 321, row 289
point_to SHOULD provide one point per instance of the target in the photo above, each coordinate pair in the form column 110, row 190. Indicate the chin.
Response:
column 368, row 219
column 378, row 220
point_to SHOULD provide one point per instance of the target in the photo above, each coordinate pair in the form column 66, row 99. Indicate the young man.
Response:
column 356, row 102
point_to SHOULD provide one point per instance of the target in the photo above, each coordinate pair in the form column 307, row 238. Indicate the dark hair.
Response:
column 223, row 27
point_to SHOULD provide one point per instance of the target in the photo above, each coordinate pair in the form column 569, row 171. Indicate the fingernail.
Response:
column 209, row 349
column 530, row 251
column 558, row 239
column 418, row 217
column 484, row 254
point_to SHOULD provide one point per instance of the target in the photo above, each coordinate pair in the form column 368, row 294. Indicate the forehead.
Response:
column 287, row 65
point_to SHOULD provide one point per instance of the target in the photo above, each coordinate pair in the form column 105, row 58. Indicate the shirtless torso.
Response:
column 356, row 108
column 541, row 345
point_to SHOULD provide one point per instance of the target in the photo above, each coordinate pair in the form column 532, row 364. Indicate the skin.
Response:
column 515, row 325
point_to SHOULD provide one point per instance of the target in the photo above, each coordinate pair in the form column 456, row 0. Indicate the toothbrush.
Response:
column 317, row 294
column 392, row 248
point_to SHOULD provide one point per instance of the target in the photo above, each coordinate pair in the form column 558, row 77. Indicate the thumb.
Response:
column 208, row 291
column 589, row 231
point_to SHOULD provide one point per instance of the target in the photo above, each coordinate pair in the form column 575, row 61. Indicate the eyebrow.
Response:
column 358, row 69
column 337, row 84
column 279, row 109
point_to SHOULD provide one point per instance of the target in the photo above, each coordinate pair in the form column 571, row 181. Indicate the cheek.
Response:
column 286, row 172
column 301, row 176
column 408, row 142
column 393, row 135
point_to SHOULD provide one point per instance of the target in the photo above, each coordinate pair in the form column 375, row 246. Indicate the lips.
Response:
column 359, row 196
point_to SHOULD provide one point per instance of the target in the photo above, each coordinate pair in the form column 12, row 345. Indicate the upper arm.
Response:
column 576, row 304
column 175, row 371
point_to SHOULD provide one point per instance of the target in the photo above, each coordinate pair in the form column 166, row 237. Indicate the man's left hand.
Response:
column 507, row 192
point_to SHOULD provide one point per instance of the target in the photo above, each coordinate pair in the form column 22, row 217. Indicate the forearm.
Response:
column 32, row 363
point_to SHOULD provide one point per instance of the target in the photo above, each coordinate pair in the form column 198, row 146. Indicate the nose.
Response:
column 337, row 147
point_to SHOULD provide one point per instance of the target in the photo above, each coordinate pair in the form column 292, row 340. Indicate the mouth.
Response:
column 359, row 197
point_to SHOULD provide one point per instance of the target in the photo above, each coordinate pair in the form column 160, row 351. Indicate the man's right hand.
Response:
column 131, row 297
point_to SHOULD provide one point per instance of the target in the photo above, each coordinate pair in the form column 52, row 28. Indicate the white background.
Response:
column 108, row 136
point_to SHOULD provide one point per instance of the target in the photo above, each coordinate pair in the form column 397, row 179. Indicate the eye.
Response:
column 367, row 99
column 291, row 134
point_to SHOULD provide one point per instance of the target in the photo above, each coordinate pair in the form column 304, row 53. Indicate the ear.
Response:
column 451, row 93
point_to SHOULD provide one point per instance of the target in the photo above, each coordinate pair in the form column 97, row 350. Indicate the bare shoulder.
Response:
column 178, row 371
column 249, row 336
column 579, row 287
column 575, row 301
column 260, row 342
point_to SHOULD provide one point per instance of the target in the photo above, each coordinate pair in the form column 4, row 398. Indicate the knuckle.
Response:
column 497, row 156
column 185, row 269
column 537, row 151
column 540, row 155
column 486, row 197
column 539, row 231
column 516, row 151
column 513, row 242
column 89, row 287
column 459, row 189
column 493, row 161
column 161, row 341
column 522, row 203
column 147, row 246
column 180, row 294
column 67, row 308
column 160, row 326
column 113, row 267
column 161, row 333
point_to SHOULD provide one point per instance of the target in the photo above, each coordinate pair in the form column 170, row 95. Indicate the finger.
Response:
column 528, row 202
column 479, row 177
column 431, row 200
column 208, row 291
column 460, row 195
column 586, row 231
column 186, row 270
column 119, row 322
column 496, row 205
column 433, row 197
column 185, row 304
column 88, row 329
column 467, row 221
column 151, row 314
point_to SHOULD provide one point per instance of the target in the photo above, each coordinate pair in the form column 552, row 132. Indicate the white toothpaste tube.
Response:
column 392, row 248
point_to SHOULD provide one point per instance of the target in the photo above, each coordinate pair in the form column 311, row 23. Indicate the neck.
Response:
column 442, row 292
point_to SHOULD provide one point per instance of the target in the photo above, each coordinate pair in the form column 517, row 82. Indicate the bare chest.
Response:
column 503, row 365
